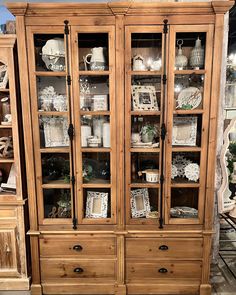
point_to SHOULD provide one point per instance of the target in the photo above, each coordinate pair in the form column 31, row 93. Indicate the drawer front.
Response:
column 8, row 212
column 59, row 246
column 163, row 270
column 77, row 269
column 164, row 248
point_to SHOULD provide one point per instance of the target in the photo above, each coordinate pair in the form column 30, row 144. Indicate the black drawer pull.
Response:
column 163, row 270
column 163, row 247
column 78, row 270
column 78, row 248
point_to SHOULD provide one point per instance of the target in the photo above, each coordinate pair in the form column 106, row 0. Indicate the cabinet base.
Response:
column 205, row 289
column 14, row 284
column 36, row 289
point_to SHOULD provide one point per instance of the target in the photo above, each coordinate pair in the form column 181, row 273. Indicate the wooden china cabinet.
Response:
column 13, row 194
column 120, row 112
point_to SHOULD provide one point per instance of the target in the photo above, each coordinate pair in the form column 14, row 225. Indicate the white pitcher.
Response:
column 97, row 61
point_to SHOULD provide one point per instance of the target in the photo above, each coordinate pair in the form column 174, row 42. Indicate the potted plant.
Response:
column 148, row 132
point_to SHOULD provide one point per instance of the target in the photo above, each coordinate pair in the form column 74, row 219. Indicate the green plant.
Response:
column 150, row 130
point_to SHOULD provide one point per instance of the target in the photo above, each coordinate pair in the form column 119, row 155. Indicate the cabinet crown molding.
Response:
column 7, row 40
column 116, row 8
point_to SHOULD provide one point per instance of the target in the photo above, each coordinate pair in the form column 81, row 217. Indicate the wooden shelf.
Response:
column 189, row 72
column 58, row 185
column 6, row 160
column 5, row 126
column 50, row 74
column 95, row 113
column 53, row 113
column 4, row 90
column 185, row 185
column 145, row 73
column 55, row 150
column 188, row 112
column 144, row 150
column 144, row 184
column 96, row 185
column 145, row 113
column 94, row 73
column 186, row 149
column 95, row 150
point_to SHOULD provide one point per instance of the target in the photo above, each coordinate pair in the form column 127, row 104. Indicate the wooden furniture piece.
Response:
column 13, row 264
column 120, row 143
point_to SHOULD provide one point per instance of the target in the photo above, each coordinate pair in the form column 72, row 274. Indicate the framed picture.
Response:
column 96, row 205
column 139, row 202
column 144, row 98
column 3, row 76
column 100, row 103
column 55, row 130
column 184, row 131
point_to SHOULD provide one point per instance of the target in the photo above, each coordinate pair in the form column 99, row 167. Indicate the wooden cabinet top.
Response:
column 122, row 8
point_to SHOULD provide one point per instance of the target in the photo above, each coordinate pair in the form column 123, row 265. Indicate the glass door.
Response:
column 49, row 104
column 187, row 125
column 95, row 131
column 143, row 118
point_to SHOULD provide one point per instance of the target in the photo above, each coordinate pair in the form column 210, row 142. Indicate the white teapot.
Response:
column 97, row 61
column 138, row 63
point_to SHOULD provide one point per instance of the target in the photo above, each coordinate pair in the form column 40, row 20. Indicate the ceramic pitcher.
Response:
column 97, row 61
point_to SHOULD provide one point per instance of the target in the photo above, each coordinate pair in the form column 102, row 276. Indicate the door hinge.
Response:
column 71, row 131
column 74, row 223
column 165, row 29
column 72, row 179
column 163, row 131
column 164, row 79
column 162, row 178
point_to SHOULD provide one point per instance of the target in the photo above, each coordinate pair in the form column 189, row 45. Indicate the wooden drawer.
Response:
column 61, row 246
column 164, row 248
column 8, row 212
column 78, row 269
column 142, row 270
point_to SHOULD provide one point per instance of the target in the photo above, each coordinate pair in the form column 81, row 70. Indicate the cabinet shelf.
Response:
column 95, row 113
column 5, row 126
column 145, row 113
column 6, row 160
column 54, row 150
column 189, row 72
column 4, row 90
column 145, row 73
column 95, row 150
column 186, row 149
column 144, row 184
column 94, row 73
column 56, row 185
column 50, row 74
column 96, row 185
column 188, row 112
column 185, row 184
column 144, row 150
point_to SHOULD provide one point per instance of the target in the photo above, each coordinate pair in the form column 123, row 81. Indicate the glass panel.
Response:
column 95, row 131
column 5, row 109
column 190, row 51
column 145, row 131
column 146, row 93
column 51, row 94
column 144, row 203
column 55, row 168
column 187, row 130
column 189, row 92
column 184, row 203
column 7, row 178
column 57, row 203
column 185, row 167
column 49, row 52
column 144, row 167
column 97, row 202
column 94, row 93
column 93, row 51
column 146, row 51
column 96, row 167
column 53, row 131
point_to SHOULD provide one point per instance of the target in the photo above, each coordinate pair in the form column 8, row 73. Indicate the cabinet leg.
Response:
column 205, row 289
column 120, row 290
column 36, row 289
